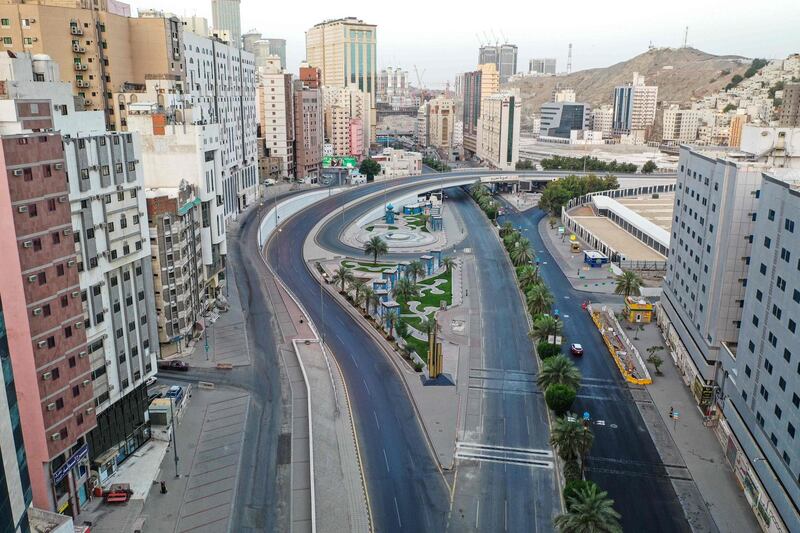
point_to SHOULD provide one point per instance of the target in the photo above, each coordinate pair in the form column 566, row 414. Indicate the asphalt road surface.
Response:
column 623, row 459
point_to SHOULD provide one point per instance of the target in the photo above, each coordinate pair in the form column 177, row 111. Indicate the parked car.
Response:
column 149, row 381
column 576, row 349
column 176, row 392
column 173, row 365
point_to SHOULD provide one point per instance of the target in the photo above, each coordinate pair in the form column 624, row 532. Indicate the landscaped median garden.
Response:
column 417, row 294
column 587, row 507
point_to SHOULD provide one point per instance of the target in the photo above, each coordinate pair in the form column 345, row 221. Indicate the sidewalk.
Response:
column 688, row 442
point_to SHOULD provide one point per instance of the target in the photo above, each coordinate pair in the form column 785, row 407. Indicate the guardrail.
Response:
column 630, row 378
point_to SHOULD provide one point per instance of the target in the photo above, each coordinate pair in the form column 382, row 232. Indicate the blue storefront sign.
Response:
column 76, row 458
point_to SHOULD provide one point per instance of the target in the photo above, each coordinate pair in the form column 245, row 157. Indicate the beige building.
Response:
column 99, row 51
column 602, row 119
column 399, row 163
column 737, row 124
column 490, row 79
column 790, row 110
column 680, row 125
column 498, row 129
column 275, row 106
column 342, row 105
column 345, row 51
column 441, row 123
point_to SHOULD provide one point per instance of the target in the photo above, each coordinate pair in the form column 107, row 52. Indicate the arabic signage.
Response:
column 704, row 394
column 343, row 161
column 62, row 472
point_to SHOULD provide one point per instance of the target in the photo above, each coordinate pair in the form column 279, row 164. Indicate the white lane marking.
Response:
column 477, row 511
column 376, row 420
column 397, row 511
column 366, row 387
column 386, row 459
column 354, row 360
column 505, row 517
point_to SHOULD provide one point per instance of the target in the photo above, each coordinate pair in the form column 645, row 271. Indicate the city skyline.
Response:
column 737, row 28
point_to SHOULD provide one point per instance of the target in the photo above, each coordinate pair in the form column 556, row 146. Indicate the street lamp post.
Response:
column 174, row 442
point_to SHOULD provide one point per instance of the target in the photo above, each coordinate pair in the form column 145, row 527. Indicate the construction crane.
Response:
column 419, row 77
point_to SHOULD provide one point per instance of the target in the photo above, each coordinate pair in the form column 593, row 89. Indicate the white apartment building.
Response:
column 602, row 119
column 680, row 125
column 421, row 136
column 498, row 129
column 275, row 106
column 563, row 94
column 341, row 106
column 399, row 163
column 222, row 79
column 634, row 106
column 393, row 88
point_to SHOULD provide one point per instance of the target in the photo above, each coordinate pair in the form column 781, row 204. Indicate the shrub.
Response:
column 418, row 366
column 572, row 472
column 545, row 350
column 574, row 485
column 559, row 398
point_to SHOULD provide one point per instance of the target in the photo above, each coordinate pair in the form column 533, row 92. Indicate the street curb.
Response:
column 556, row 458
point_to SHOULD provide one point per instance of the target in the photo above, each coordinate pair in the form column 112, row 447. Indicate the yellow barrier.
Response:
column 627, row 375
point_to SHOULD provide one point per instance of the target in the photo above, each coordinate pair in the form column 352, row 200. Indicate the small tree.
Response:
column 590, row 509
column 629, row 283
column 649, row 167
column 654, row 359
column 448, row 263
column 375, row 247
column 401, row 327
column 343, row 276
column 415, row 270
column 547, row 350
column 367, row 296
column 370, row 168
column 390, row 319
column 574, row 485
column 572, row 470
column 559, row 398
column 558, row 370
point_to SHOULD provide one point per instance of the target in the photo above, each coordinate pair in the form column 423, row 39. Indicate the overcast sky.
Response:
column 442, row 37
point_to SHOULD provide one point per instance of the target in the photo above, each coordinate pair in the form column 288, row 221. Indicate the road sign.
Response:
column 561, row 229
column 586, row 415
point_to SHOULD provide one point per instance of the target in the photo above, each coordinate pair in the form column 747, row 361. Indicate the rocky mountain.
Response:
column 681, row 74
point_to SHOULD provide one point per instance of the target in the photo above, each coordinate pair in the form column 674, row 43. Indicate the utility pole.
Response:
column 174, row 443
column 569, row 59
column 686, row 37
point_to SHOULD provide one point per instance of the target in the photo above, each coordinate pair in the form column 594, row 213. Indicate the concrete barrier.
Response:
column 225, row 366
column 206, row 385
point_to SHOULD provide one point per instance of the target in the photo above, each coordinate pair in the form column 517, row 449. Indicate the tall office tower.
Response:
column 441, row 122
column 680, row 125
column 275, row 105
column 560, row 120
column 498, row 129
column 502, row 56
column 180, row 143
column 221, row 86
column 471, row 87
column 346, row 111
column 308, row 128
column 542, row 66
column 225, row 16
column 345, row 51
column 790, row 109
column 15, row 482
column 393, row 86
column 277, row 47
column 176, row 246
column 421, row 127
column 761, row 390
column 98, row 50
column 248, row 41
column 634, row 106
column 490, row 79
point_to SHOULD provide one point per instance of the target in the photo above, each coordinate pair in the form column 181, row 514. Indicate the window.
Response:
column 72, row 362
column 32, row 210
column 778, row 412
column 6, row 23
column 46, row 310
column 755, row 320
column 767, row 242
column 781, row 283
column 782, row 383
column 788, row 225
column 785, row 254
column 759, row 295
column 771, row 214
column 790, row 430
column 764, row 392
column 768, row 366
column 7, row 41
column 68, row 331
column 796, row 400
column 56, row 237
column 792, row 325
column 747, row 370
column 787, row 355
column 51, row 204
column 64, row 301
column 796, row 296
column 76, row 391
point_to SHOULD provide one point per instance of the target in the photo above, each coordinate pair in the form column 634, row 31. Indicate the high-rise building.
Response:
column 498, row 129
column 261, row 48
column 393, row 87
column 680, row 125
column 563, row 94
column 421, row 128
column 634, row 106
column 129, row 50
column 275, row 104
column 602, row 119
column 502, row 56
column 471, row 88
column 561, row 119
column 441, row 122
column 790, row 108
column 308, row 127
column 15, row 482
column 542, row 66
column 345, row 52
column 225, row 16
column 736, row 127
column 347, row 111
column 277, row 47
column 490, row 79
column 729, row 307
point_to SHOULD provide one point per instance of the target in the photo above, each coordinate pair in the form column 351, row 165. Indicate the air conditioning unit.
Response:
column 23, row 209
column 89, row 410
column 41, row 344
column 55, row 436
column 92, row 167
column 67, row 231
column 82, row 354
column 78, row 325
column 17, row 172
column 27, row 244
column 75, row 294
column 47, row 376
column 37, row 311
column 63, row 199
column 59, row 166
column 108, row 362
column 120, row 187
column 51, row 406
column 32, row 21
column 86, row 382
column 32, row 278
column 71, row 263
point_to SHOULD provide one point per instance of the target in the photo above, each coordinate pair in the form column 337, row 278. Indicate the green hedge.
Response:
column 559, row 398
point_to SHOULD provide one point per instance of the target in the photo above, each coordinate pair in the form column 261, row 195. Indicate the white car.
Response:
column 268, row 182
column 149, row 381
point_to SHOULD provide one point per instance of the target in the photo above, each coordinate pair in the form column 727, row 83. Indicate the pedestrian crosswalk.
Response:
column 504, row 454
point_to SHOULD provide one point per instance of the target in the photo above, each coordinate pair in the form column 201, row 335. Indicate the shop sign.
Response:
column 62, row 472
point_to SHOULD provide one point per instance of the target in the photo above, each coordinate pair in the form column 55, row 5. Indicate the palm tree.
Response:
column 448, row 263
column 424, row 218
column 559, row 370
column 544, row 326
column 629, row 283
column 427, row 326
column 571, row 438
column 343, row 275
column 478, row 190
column 511, row 237
column 357, row 285
column 375, row 247
column 589, row 510
column 405, row 290
column 521, row 253
column 529, row 276
column 506, row 228
column 366, row 297
column 415, row 269
column 389, row 319
column 539, row 299
column 375, row 300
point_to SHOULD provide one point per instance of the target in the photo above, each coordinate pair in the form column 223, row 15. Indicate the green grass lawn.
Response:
column 416, row 345
column 369, row 228
column 429, row 299
column 367, row 266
